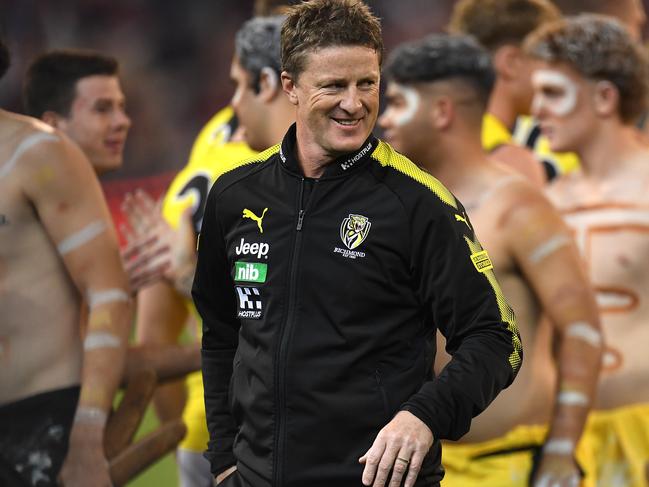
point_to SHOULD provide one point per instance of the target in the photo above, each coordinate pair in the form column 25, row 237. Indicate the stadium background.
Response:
column 175, row 59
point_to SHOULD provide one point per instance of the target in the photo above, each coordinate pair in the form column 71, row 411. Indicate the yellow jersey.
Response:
column 190, row 188
column 526, row 133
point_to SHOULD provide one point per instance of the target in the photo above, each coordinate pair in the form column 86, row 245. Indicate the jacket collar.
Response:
column 341, row 166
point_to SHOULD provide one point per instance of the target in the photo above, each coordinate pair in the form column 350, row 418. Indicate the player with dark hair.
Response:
column 79, row 93
column 163, row 308
column 57, row 249
column 437, row 93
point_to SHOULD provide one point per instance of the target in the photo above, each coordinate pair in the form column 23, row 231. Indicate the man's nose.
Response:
column 351, row 101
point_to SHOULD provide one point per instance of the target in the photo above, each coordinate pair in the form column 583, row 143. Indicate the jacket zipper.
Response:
column 282, row 350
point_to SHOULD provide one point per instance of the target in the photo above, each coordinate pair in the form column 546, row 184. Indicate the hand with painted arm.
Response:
column 68, row 199
column 547, row 255
column 155, row 249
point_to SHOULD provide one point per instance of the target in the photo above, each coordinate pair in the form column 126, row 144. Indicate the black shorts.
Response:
column 34, row 434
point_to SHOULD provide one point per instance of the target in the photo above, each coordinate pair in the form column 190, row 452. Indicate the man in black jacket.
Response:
column 325, row 266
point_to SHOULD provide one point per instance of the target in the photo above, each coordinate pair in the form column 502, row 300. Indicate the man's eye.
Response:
column 552, row 92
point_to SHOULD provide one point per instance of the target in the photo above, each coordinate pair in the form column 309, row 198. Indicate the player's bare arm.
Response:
column 59, row 182
column 545, row 251
column 161, row 313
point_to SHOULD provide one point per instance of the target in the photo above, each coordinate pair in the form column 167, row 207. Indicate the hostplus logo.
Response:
column 353, row 160
column 250, row 304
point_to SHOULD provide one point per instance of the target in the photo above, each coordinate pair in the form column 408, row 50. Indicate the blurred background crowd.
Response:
column 174, row 59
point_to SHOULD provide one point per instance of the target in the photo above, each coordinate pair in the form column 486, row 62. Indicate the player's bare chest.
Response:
column 614, row 239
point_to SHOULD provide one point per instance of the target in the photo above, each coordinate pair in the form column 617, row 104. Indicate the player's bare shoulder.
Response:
column 510, row 195
column 30, row 150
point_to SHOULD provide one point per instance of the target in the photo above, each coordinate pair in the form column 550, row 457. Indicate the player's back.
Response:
column 39, row 323
column 610, row 219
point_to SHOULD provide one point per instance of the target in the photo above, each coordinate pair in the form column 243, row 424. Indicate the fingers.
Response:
column 141, row 211
column 416, row 461
column 400, row 467
column 371, row 460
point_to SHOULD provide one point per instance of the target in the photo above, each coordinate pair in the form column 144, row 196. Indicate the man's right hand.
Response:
column 225, row 474
column 85, row 463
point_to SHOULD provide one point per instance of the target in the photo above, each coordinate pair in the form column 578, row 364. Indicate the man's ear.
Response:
column 507, row 60
column 289, row 85
column 268, row 84
column 53, row 119
column 442, row 112
column 606, row 98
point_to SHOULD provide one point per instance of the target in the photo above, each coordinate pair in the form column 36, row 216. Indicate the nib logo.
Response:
column 250, row 271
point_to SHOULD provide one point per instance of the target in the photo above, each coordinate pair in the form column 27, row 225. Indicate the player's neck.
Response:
column 608, row 148
column 502, row 106
column 282, row 115
column 457, row 156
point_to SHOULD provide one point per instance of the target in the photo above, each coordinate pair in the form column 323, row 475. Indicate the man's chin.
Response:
column 107, row 165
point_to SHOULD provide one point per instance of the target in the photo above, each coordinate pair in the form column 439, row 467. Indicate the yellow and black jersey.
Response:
column 319, row 301
column 192, row 184
column 212, row 150
column 494, row 133
column 528, row 134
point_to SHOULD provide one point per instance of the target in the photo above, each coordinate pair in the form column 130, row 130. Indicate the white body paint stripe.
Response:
column 558, row 446
column 101, row 339
column 97, row 298
column 550, row 480
column 586, row 332
column 572, row 398
column 87, row 414
column 25, row 145
column 548, row 248
column 83, row 236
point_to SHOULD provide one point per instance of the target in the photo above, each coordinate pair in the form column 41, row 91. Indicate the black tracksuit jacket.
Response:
column 320, row 300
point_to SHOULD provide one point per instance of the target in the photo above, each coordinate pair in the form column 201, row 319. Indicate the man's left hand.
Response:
column 557, row 471
column 399, row 447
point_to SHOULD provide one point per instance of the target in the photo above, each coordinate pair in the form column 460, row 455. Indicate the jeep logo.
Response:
column 257, row 249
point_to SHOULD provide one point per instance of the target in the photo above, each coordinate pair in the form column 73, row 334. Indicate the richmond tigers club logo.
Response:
column 354, row 230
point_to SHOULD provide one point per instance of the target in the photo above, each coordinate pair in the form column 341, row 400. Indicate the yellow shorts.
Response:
column 501, row 462
column 194, row 415
column 615, row 447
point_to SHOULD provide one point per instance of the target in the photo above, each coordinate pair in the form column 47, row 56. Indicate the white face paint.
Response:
column 412, row 101
column 553, row 91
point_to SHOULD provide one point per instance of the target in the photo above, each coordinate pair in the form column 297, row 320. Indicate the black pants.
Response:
column 34, row 434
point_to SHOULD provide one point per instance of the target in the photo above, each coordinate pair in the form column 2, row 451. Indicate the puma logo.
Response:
column 460, row 218
column 249, row 214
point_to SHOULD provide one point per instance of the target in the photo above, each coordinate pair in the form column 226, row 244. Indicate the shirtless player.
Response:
column 434, row 114
column 590, row 86
column 57, row 247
